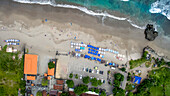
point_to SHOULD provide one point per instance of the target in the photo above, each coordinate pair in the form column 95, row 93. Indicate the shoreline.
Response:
column 121, row 31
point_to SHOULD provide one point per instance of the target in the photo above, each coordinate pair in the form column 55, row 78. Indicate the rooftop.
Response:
column 30, row 64
column 58, row 87
column 30, row 77
column 60, row 81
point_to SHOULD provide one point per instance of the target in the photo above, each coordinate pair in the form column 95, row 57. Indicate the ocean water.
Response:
column 138, row 12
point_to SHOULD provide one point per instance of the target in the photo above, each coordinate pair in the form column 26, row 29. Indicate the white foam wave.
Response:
column 124, row 0
column 84, row 9
column 162, row 7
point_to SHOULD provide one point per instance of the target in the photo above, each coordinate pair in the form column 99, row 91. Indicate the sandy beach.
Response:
column 26, row 23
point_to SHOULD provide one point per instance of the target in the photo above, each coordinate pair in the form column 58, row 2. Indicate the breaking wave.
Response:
column 162, row 7
column 83, row 9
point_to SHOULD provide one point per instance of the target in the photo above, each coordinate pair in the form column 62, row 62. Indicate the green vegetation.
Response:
column 44, row 82
column 103, row 93
column 86, row 80
column 80, row 89
column 51, row 65
column 129, row 77
column 39, row 93
column 156, row 91
column 161, row 79
column 144, row 87
column 160, row 62
column 123, row 69
column 148, row 64
column 71, row 75
column 11, row 72
column 118, row 78
column 64, row 94
column 76, row 76
column 70, row 83
column 118, row 92
column 129, row 87
column 95, row 82
column 96, row 90
column 130, row 94
column 138, row 62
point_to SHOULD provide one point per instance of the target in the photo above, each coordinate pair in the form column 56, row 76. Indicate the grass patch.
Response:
column 148, row 64
column 156, row 91
column 11, row 72
column 167, row 89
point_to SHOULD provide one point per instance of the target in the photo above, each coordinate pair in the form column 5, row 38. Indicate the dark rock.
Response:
column 150, row 33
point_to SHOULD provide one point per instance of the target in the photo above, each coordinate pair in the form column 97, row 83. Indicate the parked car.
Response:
column 101, row 72
column 95, row 67
column 97, row 71
column 84, row 69
column 97, row 78
column 81, row 76
column 103, row 81
column 90, row 71
column 87, row 69
column 113, row 68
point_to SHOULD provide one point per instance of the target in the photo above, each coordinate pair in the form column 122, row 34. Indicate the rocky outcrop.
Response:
column 150, row 33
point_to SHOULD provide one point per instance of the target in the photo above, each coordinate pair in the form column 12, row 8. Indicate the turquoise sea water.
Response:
column 136, row 9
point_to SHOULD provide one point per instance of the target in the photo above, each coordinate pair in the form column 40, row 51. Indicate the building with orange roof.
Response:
column 51, row 71
column 30, row 64
column 30, row 77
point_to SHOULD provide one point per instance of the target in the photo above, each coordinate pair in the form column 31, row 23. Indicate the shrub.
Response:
column 70, row 83
column 71, row 75
column 80, row 89
column 76, row 76
column 86, row 80
column 51, row 65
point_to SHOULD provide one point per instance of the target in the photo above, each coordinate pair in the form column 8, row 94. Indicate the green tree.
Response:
column 118, row 91
column 94, row 82
column 123, row 69
column 92, row 89
column 103, row 93
column 116, row 83
column 80, row 89
column 70, row 83
column 64, row 94
column 86, row 80
column 119, row 76
column 51, row 65
column 76, row 76
column 96, row 90
column 71, row 75
column 99, row 82
column 128, row 78
column 130, row 94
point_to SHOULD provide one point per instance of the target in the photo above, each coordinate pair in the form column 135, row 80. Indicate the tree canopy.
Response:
column 95, row 82
column 103, row 93
column 70, row 83
column 118, row 91
column 64, row 94
column 71, row 75
column 86, row 80
column 51, row 65
column 119, row 77
column 80, row 89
